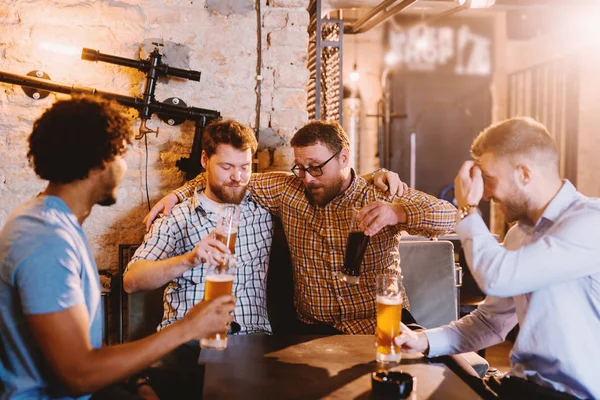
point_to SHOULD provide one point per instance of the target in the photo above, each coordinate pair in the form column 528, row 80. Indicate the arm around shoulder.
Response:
column 425, row 214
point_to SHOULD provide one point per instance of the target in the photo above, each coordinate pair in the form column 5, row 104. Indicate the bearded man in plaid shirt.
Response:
column 314, row 205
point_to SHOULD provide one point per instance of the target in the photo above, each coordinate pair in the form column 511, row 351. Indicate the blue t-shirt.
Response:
column 45, row 266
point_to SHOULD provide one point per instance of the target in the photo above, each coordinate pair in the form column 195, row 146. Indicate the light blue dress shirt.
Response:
column 545, row 277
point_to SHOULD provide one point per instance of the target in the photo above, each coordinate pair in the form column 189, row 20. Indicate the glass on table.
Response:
column 389, row 316
column 219, row 273
column 228, row 220
column 356, row 245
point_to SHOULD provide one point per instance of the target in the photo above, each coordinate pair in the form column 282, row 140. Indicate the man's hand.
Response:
column 200, row 253
column 468, row 185
column 411, row 341
column 390, row 182
column 208, row 317
column 377, row 215
column 164, row 205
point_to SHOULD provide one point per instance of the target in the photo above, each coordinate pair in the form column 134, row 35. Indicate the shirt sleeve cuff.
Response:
column 440, row 341
column 471, row 226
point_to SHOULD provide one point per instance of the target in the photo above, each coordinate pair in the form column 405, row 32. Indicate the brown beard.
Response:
column 228, row 194
column 328, row 194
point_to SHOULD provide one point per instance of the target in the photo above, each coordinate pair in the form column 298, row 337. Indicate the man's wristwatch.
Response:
column 467, row 210
column 376, row 171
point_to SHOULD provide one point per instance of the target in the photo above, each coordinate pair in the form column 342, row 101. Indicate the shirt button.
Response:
column 339, row 298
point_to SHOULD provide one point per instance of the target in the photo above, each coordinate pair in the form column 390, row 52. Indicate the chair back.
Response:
column 141, row 312
column 430, row 281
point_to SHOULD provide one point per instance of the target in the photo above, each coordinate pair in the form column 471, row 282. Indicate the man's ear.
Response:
column 523, row 174
column 344, row 157
column 204, row 159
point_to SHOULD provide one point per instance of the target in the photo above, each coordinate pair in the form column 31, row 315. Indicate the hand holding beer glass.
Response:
column 356, row 245
column 219, row 273
column 389, row 315
column 227, row 225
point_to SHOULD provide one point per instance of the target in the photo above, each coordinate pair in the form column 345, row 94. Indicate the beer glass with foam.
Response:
column 356, row 245
column 219, row 273
column 389, row 315
column 227, row 225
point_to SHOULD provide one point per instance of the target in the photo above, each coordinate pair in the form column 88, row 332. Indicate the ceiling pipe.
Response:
column 436, row 17
column 371, row 19
column 374, row 11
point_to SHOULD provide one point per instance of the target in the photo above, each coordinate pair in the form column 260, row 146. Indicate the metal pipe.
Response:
column 189, row 113
column 374, row 11
column 142, row 65
column 387, row 14
column 364, row 24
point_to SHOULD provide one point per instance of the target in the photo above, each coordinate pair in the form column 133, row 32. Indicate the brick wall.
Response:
column 218, row 38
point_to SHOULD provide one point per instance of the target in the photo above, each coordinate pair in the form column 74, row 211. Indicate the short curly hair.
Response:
column 230, row 132
column 74, row 136
column 327, row 133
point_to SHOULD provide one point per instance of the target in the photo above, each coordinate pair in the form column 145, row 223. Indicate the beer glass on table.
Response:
column 389, row 315
column 227, row 225
column 219, row 273
column 356, row 245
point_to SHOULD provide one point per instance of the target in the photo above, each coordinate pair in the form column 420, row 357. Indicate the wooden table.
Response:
column 314, row 367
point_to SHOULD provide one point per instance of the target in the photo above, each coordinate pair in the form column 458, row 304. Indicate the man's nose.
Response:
column 236, row 176
column 307, row 178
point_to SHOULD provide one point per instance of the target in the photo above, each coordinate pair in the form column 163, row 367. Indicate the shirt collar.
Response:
column 560, row 202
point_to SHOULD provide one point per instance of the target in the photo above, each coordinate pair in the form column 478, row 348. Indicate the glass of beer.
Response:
column 218, row 281
column 356, row 245
column 227, row 225
column 389, row 315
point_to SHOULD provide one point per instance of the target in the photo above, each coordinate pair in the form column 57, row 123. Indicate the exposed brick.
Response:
column 294, row 119
column 222, row 45
column 275, row 18
column 289, row 98
column 289, row 3
column 288, row 37
column 290, row 76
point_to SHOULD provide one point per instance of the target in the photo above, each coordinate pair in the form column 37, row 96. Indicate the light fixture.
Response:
column 390, row 58
column 354, row 75
column 60, row 48
column 477, row 3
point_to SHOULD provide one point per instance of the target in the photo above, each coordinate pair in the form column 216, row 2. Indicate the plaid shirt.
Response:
column 317, row 239
column 179, row 233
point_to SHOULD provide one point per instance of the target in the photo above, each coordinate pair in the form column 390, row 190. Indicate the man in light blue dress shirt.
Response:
column 545, row 277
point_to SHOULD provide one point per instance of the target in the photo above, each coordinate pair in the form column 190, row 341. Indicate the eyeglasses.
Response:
column 315, row 171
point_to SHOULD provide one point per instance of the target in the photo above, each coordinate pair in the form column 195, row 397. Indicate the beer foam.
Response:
column 220, row 278
column 389, row 301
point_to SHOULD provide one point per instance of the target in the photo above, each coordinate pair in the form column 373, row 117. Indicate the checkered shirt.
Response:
column 179, row 233
column 317, row 239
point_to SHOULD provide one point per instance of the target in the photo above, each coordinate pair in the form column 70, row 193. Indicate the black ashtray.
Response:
column 391, row 385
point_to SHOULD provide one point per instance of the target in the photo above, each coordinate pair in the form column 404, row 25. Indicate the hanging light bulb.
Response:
column 354, row 75
column 391, row 58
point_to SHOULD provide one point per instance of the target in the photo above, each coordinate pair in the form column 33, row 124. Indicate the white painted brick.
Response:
column 294, row 119
column 222, row 47
column 289, row 98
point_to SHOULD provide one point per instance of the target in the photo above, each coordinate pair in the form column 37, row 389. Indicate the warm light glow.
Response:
column 390, row 58
column 478, row 3
column 422, row 44
column 60, row 48
column 354, row 76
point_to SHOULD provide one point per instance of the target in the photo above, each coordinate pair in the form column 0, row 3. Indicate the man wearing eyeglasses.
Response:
column 314, row 205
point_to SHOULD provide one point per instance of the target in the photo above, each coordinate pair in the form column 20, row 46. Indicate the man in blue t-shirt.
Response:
column 50, row 322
